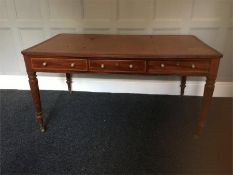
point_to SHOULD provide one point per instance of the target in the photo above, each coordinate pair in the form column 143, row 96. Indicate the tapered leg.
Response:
column 68, row 81
column 182, row 85
column 206, row 101
column 36, row 99
column 208, row 92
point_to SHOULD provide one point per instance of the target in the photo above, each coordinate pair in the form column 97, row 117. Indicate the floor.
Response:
column 104, row 133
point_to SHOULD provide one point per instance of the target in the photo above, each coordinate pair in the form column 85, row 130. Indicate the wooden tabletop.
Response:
column 123, row 46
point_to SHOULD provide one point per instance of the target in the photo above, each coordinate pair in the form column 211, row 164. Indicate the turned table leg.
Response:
column 208, row 92
column 36, row 98
column 206, row 101
column 182, row 85
column 68, row 81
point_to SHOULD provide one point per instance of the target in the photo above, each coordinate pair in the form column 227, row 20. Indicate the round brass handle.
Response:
column 162, row 65
column 102, row 66
column 130, row 66
column 44, row 64
column 193, row 66
column 72, row 65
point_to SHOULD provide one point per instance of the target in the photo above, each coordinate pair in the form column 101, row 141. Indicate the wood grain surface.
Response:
column 121, row 46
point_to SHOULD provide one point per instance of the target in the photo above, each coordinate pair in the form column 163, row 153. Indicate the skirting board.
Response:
column 194, row 88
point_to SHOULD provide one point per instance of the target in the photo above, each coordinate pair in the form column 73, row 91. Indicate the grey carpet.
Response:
column 103, row 133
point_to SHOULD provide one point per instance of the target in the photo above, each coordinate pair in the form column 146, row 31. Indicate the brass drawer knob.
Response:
column 102, row 66
column 193, row 66
column 130, row 66
column 72, row 65
column 162, row 65
column 44, row 64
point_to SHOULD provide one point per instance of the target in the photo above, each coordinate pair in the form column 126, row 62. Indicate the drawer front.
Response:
column 127, row 66
column 178, row 66
column 63, row 64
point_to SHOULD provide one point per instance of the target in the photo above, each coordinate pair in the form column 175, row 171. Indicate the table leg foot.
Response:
column 42, row 128
column 40, row 121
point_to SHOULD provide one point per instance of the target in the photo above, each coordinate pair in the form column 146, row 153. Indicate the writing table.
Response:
column 182, row 55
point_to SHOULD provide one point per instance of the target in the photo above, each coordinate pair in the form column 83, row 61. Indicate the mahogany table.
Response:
column 183, row 55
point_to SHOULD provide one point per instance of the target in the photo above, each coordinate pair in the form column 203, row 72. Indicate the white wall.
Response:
column 26, row 22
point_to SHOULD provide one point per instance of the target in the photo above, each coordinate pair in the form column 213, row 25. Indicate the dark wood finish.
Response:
column 182, row 55
column 120, row 66
column 36, row 98
column 208, row 92
column 182, row 85
column 180, row 67
column 123, row 46
column 64, row 64
column 68, row 81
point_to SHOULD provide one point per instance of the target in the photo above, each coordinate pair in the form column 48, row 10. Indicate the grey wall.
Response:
column 26, row 22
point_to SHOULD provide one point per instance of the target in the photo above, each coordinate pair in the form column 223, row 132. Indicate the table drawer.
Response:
column 178, row 66
column 59, row 64
column 127, row 66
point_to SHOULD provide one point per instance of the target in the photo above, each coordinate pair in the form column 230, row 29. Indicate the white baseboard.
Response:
column 194, row 88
